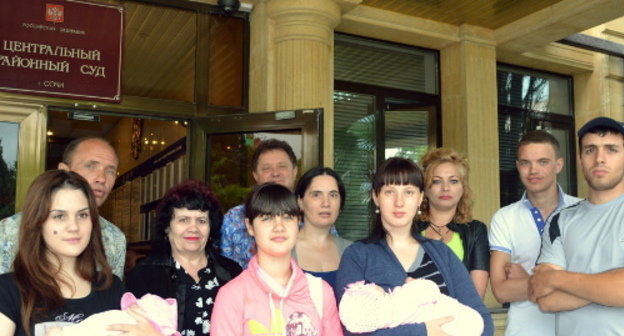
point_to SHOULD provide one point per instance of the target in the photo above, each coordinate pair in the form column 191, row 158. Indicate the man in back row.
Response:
column 95, row 160
column 516, row 233
column 272, row 161
column 581, row 267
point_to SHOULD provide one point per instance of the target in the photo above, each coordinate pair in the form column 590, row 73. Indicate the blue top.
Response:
column 329, row 277
column 377, row 263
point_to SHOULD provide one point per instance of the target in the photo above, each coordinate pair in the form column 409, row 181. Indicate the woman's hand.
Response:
column 143, row 327
column 434, row 327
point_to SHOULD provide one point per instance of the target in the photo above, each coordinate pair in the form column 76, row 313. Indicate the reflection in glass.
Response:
column 528, row 100
column 354, row 158
column 564, row 178
column 8, row 167
column 360, row 60
column 406, row 134
column 533, row 91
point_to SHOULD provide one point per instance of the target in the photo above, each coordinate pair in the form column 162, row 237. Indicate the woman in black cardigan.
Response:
column 184, row 264
column 446, row 213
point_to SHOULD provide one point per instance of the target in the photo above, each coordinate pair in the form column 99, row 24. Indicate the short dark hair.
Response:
column 73, row 145
column 306, row 180
column 271, row 199
column 540, row 137
column 192, row 195
column 269, row 145
column 600, row 131
column 398, row 171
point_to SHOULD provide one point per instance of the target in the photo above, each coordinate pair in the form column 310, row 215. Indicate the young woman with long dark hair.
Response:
column 60, row 272
column 394, row 252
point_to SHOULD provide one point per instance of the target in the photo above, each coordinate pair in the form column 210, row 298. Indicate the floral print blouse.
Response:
column 200, row 298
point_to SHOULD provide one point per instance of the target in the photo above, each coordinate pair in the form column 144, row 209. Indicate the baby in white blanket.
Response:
column 366, row 308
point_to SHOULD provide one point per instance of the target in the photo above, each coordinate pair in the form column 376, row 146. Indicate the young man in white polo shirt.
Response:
column 516, row 233
column 581, row 267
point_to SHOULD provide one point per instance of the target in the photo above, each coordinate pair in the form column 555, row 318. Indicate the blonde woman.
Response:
column 446, row 213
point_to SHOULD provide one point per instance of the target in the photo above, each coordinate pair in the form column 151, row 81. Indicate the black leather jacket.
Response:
column 156, row 275
column 475, row 242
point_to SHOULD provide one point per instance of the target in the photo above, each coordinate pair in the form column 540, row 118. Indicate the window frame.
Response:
column 538, row 119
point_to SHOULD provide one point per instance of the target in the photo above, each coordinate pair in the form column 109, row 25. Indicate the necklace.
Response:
column 438, row 230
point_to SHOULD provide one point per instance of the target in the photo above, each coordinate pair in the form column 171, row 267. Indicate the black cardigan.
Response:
column 156, row 275
column 475, row 242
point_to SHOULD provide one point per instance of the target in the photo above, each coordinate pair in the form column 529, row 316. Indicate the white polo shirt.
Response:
column 514, row 231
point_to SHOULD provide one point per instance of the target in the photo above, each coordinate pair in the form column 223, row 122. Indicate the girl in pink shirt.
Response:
column 273, row 296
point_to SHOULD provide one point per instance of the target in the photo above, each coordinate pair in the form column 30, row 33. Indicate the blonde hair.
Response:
column 434, row 158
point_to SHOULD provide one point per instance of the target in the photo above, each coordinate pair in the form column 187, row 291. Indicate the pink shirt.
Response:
column 254, row 304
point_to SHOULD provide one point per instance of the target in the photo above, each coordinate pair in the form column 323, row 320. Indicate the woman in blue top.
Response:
column 321, row 196
column 394, row 251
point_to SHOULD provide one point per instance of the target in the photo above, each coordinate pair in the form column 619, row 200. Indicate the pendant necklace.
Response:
column 438, row 230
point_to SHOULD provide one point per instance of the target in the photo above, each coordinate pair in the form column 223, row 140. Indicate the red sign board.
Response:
column 64, row 48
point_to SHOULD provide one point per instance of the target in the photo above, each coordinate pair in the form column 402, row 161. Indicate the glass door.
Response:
column 222, row 147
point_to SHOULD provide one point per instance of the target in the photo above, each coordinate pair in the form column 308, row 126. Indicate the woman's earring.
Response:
column 418, row 212
column 377, row 210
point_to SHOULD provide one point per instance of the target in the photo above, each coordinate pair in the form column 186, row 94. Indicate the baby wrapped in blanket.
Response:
column 366, row 308
column 162, row 313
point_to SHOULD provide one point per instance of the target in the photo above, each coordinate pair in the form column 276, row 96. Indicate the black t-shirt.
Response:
column 73, row 311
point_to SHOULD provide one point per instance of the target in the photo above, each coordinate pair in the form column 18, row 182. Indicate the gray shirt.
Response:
column 587, row 238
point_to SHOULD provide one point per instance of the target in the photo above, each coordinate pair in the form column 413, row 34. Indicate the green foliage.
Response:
column 231, row 195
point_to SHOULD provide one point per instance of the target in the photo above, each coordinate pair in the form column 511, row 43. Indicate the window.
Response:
column 529, row 100
column 385, row 104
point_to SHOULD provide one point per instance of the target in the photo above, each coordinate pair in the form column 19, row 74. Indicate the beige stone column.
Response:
column 469, row 115
column 599, row 92
column 292, row 58
column 469, row 112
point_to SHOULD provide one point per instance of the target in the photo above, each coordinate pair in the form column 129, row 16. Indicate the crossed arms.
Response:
column 555, row 289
